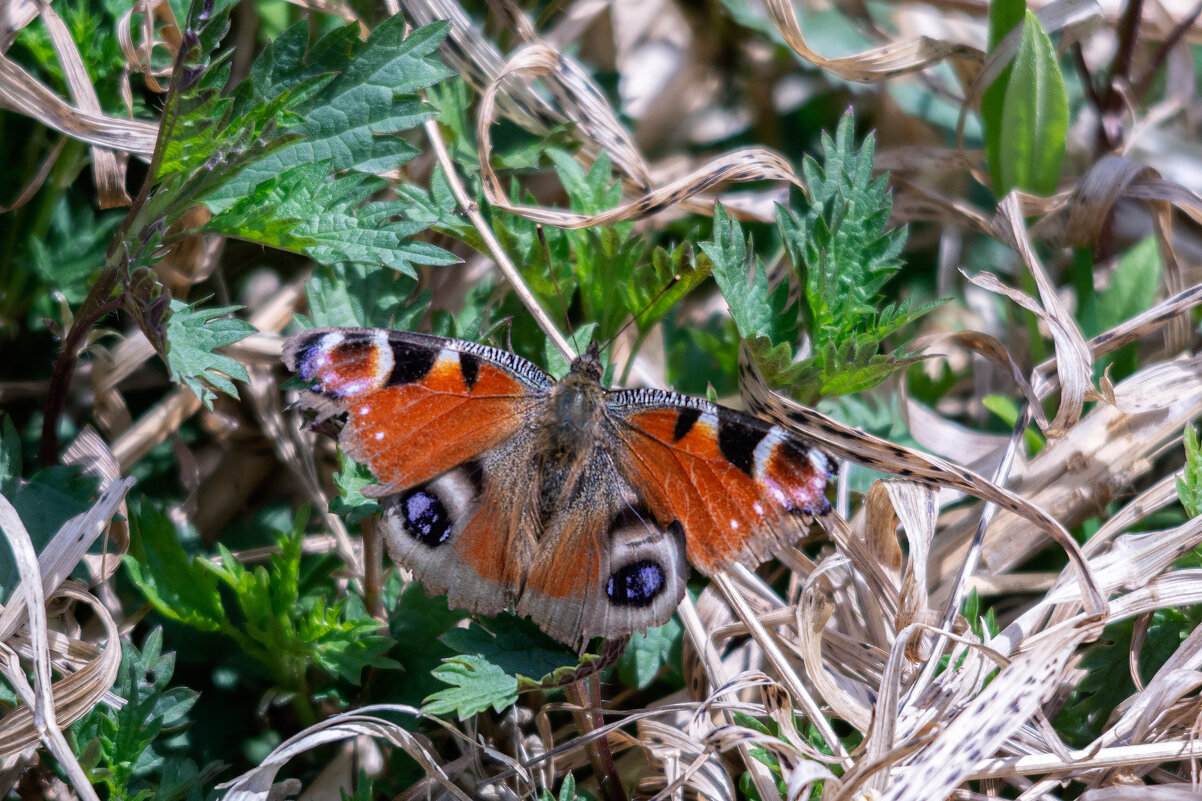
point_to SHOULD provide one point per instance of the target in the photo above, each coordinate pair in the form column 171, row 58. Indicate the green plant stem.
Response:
column 586, row 694
column 96, row 305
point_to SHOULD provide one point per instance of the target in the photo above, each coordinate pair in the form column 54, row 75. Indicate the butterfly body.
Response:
column 576, row 505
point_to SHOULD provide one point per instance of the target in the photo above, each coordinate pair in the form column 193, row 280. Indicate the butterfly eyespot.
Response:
column 636, row 584
column 425, row 517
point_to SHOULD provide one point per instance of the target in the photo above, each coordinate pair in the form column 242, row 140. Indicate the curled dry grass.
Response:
column 866, row 629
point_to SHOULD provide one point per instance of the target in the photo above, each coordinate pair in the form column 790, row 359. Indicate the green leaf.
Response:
column 352, row 121
column 1133, row 285
column 844, row 253
column 176, row 584
column 329, row 219
column 648, row 653
column 513, row 644
column 419, row 621
column 363, row 294
column 652, row 292
column 757, row 309
column 1004, row 16
column 44, row 503
column 125, row 743
column 477, row 684
column 1034, row 116
column 351, row 478
column 1189, row 484
column 193, row 333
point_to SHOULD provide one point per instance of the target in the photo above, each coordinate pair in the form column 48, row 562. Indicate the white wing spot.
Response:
column 759, row 508
column 379, row 436
column 734, row 524
column 364, row 409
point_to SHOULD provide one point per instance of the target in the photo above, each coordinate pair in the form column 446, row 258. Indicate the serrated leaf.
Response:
column 124, row 742
column 352, row 121
column 329, row 219
column 193, row 333
column 757, row 309
column 477, row 684
column 350, row 479
column 1034, row 116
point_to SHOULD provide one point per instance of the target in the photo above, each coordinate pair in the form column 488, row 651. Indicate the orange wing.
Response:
column 416, row 405
column 739, row 486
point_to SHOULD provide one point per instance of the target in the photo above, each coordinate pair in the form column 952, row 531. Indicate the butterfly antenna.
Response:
column 554, row 282
column 675, row 279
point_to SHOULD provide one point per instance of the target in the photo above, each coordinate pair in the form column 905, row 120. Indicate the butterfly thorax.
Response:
column 574, row 416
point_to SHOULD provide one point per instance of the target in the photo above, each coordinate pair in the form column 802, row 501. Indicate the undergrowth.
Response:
column 254, row 618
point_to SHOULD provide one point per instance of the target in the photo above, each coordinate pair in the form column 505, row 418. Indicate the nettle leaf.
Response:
column 758, row 310
column 193, row 333
column 361, row 294
column 351, row 121
column 477, row 684
column 844, row 253
column 329, row 219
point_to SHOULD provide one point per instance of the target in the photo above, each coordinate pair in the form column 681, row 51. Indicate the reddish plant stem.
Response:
column 95, row 306
column 586, row 693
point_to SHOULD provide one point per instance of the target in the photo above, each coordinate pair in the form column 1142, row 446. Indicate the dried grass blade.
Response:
column 881, row 63
column 107, row 169
column 750, row 164
column 880, row 454
column 257, row 784
column 30, row 599
column 22, row 93
column 1010, row 700
column 1072, row 355
column 75, row 694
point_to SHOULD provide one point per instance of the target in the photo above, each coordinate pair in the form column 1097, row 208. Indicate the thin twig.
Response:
column 471, row 210
column 586, row 694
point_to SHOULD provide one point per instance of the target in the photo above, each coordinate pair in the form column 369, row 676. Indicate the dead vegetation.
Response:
column 859, row 635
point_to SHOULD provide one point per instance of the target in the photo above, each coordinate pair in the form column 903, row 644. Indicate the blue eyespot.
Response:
column 636, row 584
column 425, row 518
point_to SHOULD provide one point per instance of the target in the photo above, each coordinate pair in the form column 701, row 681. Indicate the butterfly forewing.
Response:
column 739, row 486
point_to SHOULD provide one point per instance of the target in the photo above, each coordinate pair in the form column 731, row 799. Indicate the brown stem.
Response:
column 1109, row 127
column 586, row 694
column 1162, row 52
column 373, row 570
column 95, row 306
